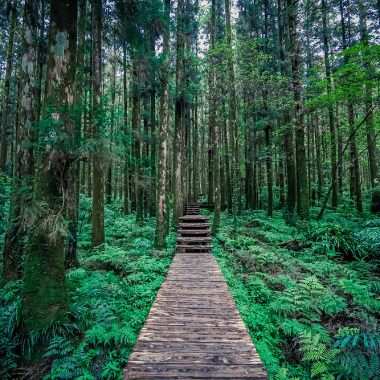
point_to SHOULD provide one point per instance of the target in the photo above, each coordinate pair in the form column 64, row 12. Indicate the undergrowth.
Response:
column 110, row 296
column 309, row 294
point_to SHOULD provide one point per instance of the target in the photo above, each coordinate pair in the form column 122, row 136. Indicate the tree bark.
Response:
column 334, row 196
column 127, row 144
column 179, row 138
column 5, row 104
column 162, row 167
column 25, row 136
column 73, row 187
column 113, row 105
column 236, row 206
column 303, row 199
column 44, row 295
column 370, row 127
column 213, row 89
column 98, row 234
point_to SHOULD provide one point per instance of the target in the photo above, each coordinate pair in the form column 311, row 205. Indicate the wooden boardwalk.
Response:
column 194, row 330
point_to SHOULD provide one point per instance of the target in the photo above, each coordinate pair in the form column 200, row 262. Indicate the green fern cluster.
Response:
column 280, row 293
column 354, row 356
column 10, row 299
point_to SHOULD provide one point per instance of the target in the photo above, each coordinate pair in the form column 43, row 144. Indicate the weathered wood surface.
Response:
column 194, row 330
column 195, row 225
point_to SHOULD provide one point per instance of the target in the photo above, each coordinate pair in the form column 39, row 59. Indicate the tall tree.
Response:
column 370, row 126
column 162, row 167
column 73, row 190
column 98, row 234
column 214, row 123
column 233, row 126
column 44, row 295
column 125, row 112
column 303, row 196
column 179, row 138
column 5, row 104
column 136, row 149
column 25, row 137
column 334, row 199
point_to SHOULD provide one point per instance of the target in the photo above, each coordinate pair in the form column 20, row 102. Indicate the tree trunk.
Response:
column 214, row 125
column 232, row 115
column 136, row 150
column 5, row 104
column 334, row 197
column 25, row 136
column 303, row 199
column 113, row 105
column 196, row 166
column 355, row 172
column 73, row 187
column 370, row 127
column 98, row 234
column 178, row 159
column 269, row 171
column 125, row 112
column 162, row 167
column 291, row 171
column 40, row 64
column 44, row 295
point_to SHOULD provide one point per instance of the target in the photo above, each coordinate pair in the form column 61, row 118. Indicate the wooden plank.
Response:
column 194, row 217
column 194, row 357
column 194, row 347
column 256, row 371
column 192, row 239
column 194, row 232
column 190, row 329
column 194, row 330
column 193, row 246
column 195, row 225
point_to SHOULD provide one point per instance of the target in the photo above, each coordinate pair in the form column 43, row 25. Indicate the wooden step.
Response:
column 194, row 217
column 193, row 247
column 194, row 225
column 194, row 232
column 195, row 239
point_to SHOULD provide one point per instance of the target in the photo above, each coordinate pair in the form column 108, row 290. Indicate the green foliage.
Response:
column 10, row 298
column 110, row 296
column 296, row 303
column 353, row 356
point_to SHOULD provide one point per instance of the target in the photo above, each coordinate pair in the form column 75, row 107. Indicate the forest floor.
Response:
column 301, row 290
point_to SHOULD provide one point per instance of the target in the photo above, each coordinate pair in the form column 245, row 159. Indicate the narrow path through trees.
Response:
column 194, row 330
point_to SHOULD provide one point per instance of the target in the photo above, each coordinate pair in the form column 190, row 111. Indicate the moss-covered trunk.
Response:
column 5, row 104
column 44, row 295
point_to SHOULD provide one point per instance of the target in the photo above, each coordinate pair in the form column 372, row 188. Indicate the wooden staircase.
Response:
column 194, row 330
column 194, row 235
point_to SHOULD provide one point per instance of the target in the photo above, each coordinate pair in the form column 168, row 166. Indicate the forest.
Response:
column 115, row 115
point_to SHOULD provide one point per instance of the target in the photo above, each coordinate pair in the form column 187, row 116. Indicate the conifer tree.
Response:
column 44, row 295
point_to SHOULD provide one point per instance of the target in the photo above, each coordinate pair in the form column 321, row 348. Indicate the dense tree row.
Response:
column 127, row 100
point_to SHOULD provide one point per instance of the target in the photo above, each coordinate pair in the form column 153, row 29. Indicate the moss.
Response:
column 44, row 291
